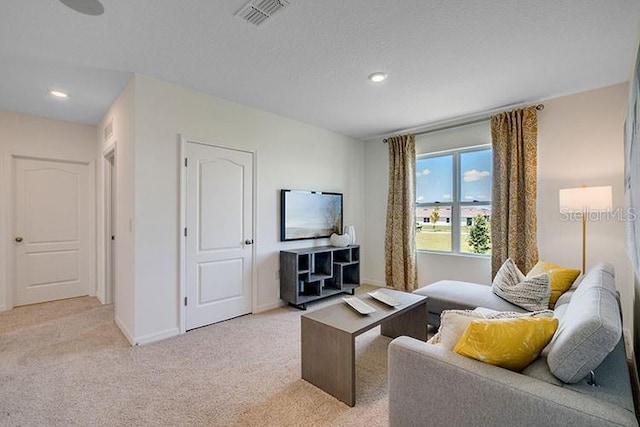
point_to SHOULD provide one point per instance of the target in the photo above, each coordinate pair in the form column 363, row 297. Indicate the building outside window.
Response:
column 453, row 201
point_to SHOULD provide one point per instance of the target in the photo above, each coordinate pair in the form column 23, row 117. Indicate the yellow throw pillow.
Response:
column 560, row 278
column 509, row 343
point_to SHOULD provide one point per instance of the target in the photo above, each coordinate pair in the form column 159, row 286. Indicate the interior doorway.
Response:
column 218, row 220
column 53, row 223
column 110, row 217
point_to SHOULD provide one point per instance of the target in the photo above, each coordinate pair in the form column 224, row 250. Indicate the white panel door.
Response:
column 52, row 230
column 219, row 218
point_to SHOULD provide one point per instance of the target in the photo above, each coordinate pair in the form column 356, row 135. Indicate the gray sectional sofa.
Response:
column 430, row 385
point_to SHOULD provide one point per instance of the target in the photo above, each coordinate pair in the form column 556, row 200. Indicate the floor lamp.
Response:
column 584, row 201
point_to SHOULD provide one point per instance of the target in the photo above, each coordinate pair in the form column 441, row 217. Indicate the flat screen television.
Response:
column 309, row 214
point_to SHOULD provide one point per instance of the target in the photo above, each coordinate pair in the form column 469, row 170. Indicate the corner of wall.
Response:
column 267, row 307
column 125, row 331
column 122, row 115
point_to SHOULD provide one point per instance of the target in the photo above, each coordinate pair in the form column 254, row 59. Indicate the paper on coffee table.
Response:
column 359, row 305
column 385, row 298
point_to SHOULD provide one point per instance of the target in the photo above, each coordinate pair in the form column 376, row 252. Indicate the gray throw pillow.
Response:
column 529, row 293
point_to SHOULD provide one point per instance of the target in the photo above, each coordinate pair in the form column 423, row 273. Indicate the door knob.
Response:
column 18, row 239
column 248, row 242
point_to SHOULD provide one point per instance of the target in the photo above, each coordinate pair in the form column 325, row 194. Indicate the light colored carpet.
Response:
column 66, row 363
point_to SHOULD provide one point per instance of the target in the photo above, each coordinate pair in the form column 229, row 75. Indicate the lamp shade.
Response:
column 586, row 199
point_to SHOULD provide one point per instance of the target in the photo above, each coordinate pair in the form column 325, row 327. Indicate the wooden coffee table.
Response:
column 328, row 338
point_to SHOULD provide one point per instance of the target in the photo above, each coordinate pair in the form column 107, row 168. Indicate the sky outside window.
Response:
column 434, row 179
column 476, row 169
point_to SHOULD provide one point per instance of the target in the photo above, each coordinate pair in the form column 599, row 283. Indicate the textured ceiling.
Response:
column 310, row 62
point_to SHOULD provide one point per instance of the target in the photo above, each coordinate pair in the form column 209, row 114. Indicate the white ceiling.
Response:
column 445, row 59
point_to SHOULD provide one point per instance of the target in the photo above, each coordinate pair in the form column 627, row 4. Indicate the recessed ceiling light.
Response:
column 378, row 77
column 86, row 7
column 59, row 94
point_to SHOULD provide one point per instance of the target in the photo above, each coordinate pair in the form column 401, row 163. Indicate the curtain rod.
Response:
column 454, row 123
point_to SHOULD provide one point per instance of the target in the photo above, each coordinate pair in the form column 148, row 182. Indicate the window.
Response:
column 453, row 201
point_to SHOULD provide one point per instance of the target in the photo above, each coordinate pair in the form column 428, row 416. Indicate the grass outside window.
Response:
column 438, row 239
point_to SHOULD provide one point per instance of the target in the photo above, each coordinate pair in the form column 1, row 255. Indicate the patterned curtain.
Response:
column 400, row 245
column 514, row 136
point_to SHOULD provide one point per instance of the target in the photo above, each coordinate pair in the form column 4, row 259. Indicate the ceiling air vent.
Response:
column 256, row 12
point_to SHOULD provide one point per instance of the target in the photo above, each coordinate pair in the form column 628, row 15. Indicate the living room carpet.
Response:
column 67, row 363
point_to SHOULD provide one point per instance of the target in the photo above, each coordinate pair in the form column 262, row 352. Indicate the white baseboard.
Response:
column 127, row 334
column 373, row 282
column 3, row 307
column 157, row 336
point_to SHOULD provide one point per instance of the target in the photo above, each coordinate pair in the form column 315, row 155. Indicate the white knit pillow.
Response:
column 508, row 275
column 452, row 325
column 530, row 293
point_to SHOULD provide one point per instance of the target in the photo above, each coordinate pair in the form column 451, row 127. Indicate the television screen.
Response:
column 309, row 214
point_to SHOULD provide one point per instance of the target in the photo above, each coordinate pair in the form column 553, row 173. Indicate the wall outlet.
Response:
column 277, row 274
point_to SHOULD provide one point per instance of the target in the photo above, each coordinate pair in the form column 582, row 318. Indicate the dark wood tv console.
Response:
column 308, row 274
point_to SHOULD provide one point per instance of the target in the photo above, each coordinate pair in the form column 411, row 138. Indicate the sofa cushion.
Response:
column 455, row 295
column 611, row 376
column 539, row 369
column 560, row 278
column 612, row 379
column 530, row 293
column 510, row 343
column 589, row 329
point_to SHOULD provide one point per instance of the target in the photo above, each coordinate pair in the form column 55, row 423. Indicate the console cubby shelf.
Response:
column 308, row 274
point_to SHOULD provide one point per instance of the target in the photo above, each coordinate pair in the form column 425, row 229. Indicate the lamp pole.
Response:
column 584, row 239
column 585, row 200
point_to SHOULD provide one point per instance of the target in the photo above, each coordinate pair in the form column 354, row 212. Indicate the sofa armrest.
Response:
column 429, row 385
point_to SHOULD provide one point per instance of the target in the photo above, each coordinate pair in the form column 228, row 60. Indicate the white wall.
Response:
column 580, row 141
column 376, row 179
column 431, row 266
column 28, row 135
column 122, row 115
column 290, row 154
